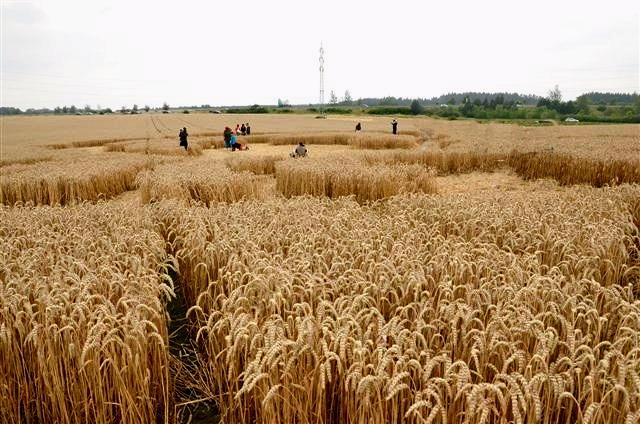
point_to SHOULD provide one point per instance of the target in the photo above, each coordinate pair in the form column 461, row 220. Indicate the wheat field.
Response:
column 83, row 332
column 458, row 273
column 413, row 309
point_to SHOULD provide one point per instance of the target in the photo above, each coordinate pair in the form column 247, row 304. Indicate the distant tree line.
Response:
column 495, row 99
column 609, row 98
column 10, row 111
column 480, row 105
column 74, row 110
column 452, row 99
column 550, row 107
column 250, row 109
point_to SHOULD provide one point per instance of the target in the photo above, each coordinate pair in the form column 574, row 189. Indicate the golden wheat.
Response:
column 25, row 160
column 505, row 306
column 514, row 304
column 598, row 142
column 164, row 146
column 444, row 163
column 255, row 164
column 358, row 140
column 567, row 169
column 337, row 177
column 54, row 182
column 83, row 334
column 200, row 180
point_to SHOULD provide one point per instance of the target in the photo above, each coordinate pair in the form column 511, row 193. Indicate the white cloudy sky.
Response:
column 116, row 53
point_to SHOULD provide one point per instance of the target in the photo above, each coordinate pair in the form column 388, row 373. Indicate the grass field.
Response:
column 458, row 273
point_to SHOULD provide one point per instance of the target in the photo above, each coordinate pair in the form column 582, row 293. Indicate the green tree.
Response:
column 347, row 98
column 134, row 109
column 555, row 94
column 165, row 106
column 467, row 106
column 582, row 104
column 416, row 107
column 333, row 99
column 146, row 108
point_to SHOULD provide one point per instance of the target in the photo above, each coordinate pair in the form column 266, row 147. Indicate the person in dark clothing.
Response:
column 394, row 126
column 183, row 138
column 358, row 127
column 227, row 136
column 243, row 130
column 248, row 128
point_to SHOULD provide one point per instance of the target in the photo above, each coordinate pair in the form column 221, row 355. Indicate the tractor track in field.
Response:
column 192, row 405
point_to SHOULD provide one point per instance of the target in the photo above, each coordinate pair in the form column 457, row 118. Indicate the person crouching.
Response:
column 235, row 145
column 300, row 151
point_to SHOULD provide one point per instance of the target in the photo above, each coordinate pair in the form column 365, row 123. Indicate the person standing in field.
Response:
column 358, row 127
column 394, row 126
column 183, row 138
column 237, row 129
column 248, row 128
column 227, row 136
column 243, row 130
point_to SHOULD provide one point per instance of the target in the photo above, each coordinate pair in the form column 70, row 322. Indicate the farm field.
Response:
column 457, row 273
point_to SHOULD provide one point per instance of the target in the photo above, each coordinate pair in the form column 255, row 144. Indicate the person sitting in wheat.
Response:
column 300, row 151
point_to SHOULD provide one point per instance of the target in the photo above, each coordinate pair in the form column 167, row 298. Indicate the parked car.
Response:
column 571, row 120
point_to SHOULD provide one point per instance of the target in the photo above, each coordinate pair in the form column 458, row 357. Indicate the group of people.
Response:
column 243, row 129
column 231, row 138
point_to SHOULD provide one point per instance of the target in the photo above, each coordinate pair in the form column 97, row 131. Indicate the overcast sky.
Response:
column 116, row 53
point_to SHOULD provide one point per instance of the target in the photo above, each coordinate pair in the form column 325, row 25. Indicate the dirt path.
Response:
column 192, row 405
